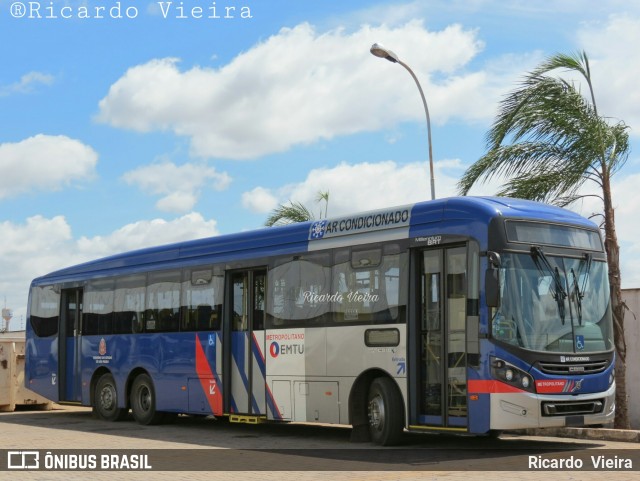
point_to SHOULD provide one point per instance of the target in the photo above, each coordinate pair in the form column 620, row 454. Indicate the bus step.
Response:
column 239, row 418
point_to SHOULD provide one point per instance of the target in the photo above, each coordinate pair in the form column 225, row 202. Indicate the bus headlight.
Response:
column 509, row 374
column 612, row 377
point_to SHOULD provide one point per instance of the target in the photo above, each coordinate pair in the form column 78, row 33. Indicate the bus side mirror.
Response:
column 492, row 287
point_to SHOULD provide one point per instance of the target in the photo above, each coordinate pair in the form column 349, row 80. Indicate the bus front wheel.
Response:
column 385, row 412
column 105, row 400
column 143, row 401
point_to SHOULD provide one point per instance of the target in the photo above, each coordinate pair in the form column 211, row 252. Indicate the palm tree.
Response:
column 287, row 214
column 323, row 196
column 548, row 141
column 296, row 212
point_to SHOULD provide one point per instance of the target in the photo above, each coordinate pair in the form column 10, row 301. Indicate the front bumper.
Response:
column 527, row 410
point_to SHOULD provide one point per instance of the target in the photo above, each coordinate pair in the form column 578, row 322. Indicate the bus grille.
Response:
column 573, row 369
column 569, row 408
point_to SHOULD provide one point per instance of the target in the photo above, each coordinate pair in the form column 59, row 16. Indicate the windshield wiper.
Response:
column 558, row 293
column 579, row 293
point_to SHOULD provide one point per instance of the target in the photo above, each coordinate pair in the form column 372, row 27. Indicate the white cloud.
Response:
column 300, row 86
column 615, row 66
column 27, row 83
column 44, row 162
column 259, row 200
column 361, row 187
column 148, row 233
column 177, row 202
column 179, row 186
column 34, row 248
column 27, row 251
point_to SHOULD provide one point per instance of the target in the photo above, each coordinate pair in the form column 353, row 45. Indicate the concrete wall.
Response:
column 632, row 335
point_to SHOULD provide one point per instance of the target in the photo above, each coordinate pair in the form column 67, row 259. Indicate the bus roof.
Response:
column 372, row 226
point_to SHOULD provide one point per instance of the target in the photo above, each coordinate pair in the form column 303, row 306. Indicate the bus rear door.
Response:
column 244, row 362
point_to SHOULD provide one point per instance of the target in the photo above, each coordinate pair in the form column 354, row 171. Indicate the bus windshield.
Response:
column 554, row 304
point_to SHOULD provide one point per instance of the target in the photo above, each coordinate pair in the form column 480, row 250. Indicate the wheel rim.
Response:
column 376, row 413
column 144, row 398
column 108, row 397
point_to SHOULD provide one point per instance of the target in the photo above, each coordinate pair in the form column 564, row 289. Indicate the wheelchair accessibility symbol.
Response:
column 580, row 343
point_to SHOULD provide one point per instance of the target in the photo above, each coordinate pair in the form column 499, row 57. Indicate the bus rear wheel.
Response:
column 143, row 401
column 105, row 400
column 385, row 412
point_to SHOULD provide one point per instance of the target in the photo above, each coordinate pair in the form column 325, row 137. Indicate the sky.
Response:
column 132, row 123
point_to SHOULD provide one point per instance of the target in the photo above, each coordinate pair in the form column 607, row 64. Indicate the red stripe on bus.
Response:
column 492, row 386
column 208, row 380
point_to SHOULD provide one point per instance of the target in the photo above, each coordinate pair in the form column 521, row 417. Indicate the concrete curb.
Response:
column 603, row 434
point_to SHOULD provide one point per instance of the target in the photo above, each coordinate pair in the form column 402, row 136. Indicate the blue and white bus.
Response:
column 465, row 315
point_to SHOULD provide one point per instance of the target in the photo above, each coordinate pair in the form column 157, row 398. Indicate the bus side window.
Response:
column 98, row 307
column 201, row 299
column 129, row 304
column 163, row 301
column 209, row 318
column 368, row 285
column 136, row 322
column 45, row 302
column 204, row 316
column 299, row 291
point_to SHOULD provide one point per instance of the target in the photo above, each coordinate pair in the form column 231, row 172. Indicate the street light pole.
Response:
column 379, row 51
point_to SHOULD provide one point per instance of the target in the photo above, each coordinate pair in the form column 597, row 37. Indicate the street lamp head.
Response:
column 379, row 51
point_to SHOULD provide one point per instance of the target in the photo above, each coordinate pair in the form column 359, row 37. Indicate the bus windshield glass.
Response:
column 554, row 304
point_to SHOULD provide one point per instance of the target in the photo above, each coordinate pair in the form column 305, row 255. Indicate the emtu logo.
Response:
column 285, row 349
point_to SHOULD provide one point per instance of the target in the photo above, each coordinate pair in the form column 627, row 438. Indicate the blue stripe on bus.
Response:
column 238, row 351
column 271, row 402
column 238, row 340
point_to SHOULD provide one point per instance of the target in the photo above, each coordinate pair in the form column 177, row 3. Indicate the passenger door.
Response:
column 69, row 347
column 439, row 329
column 244, row 362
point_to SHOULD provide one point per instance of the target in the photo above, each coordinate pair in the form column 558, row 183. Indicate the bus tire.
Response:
column 105, row 400
column 385, row 412
column 143, row 401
